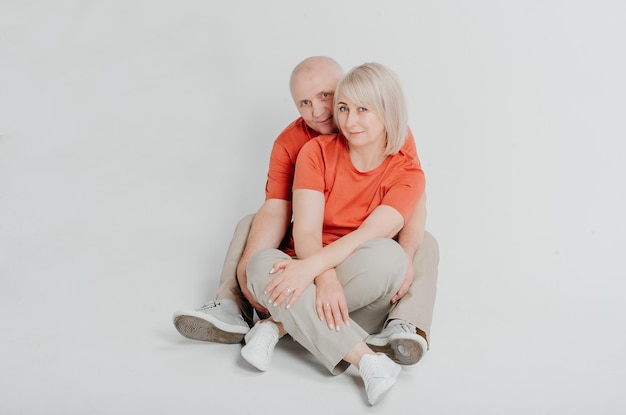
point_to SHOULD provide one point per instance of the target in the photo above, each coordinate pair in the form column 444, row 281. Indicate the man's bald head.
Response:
column 312, row 84
column 314, row 65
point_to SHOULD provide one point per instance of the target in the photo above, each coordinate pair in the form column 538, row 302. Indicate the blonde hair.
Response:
column 378, row 89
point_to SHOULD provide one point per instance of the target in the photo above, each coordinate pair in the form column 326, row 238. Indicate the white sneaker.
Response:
column 379, row 374
column 213, row 322
column 400, row 341
column 260, row 343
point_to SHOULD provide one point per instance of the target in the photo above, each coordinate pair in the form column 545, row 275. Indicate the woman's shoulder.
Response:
column 326, row 139
column 404, row 160
column 325, row 142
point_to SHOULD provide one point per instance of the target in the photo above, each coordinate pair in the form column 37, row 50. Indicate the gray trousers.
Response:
column 416, row 306
column 370, row 277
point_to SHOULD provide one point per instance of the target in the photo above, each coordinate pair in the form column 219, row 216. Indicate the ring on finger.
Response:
column 288, row 290
column 327, row 305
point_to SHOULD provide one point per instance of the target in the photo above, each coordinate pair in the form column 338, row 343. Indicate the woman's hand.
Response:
column 330, row 301
column 293, row 276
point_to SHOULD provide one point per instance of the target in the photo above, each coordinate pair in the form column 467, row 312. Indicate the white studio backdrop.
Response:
column 135, row 134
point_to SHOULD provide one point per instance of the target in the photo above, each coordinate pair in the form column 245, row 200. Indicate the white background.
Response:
column 135, row 134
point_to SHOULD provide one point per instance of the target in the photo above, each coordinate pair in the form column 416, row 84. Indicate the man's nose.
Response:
column 319, row 109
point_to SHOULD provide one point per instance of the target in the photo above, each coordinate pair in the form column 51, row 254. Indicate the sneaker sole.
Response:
column 401, row 351
column 197, row 327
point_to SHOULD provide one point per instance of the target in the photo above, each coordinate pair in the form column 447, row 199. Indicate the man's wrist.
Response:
column 409, row 251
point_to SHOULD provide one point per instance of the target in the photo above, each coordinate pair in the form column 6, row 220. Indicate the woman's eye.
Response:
column 343, row 109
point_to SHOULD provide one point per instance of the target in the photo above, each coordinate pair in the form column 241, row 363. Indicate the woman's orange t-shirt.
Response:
column 351, row 196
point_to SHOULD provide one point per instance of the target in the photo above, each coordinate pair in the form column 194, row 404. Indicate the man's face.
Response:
column 313, row 92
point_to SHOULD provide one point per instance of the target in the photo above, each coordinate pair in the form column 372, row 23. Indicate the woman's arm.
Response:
column 307, row 234
column 308, row 208
column 295, row 276
column 383, row 222
column 308, row 218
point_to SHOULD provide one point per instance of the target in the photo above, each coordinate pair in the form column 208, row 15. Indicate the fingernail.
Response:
column 330, row 326
column 321, row 318
column 272, row 270
column 288, row 306
column 275, row 304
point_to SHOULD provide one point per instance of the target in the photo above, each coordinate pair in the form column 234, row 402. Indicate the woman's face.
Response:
column 360, row 126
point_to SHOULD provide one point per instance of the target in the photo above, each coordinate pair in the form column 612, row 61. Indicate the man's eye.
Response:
column 325, row 94
column 305, row 103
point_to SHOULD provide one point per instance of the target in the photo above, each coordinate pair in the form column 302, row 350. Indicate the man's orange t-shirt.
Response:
column 351, row 196
column 283, row 159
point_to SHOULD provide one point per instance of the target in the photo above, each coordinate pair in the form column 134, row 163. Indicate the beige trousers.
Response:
column 416, row 306
column 370, row 277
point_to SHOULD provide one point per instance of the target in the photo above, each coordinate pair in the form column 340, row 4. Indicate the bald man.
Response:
column 227, row 319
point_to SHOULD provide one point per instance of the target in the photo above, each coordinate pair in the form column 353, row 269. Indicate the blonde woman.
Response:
column 353, row 193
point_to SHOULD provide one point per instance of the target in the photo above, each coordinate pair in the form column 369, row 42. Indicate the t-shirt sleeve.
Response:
column 280, row 174
column 310, row 168
column 404, row 192
column 409, row 146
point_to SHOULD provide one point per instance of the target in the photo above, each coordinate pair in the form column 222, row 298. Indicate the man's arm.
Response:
column 268, row 230
column 410, row 239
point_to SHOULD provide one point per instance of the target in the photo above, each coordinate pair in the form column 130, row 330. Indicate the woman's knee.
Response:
column 386, row 251
column 383, row 256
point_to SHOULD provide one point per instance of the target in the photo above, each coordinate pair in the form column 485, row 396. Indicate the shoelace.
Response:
column 209, row 305
column 406, row 327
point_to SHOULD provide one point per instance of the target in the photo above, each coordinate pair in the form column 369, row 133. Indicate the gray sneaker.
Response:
column 400, row 342
column 213, row 322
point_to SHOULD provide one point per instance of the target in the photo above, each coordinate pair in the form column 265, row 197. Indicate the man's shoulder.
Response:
column 296, row 128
